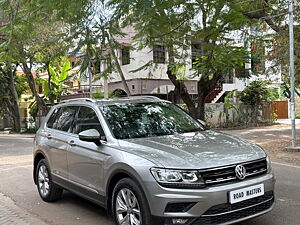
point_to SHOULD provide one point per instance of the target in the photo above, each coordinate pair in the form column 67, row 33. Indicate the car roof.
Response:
column 113, row 101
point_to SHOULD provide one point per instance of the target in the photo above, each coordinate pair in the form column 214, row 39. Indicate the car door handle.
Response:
column 49, row 136
column 72, row 143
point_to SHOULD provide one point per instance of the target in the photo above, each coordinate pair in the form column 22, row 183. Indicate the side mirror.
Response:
column 91, row 135
column 202, row 123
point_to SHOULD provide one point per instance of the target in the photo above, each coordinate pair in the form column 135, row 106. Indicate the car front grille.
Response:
column 227, row 174
column 224, row 213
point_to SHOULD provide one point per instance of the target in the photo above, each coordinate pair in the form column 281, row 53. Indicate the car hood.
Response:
column 197, row 150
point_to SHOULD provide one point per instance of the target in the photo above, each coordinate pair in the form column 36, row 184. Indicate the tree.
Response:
column 99, row 44
column 11, row 88
column 275, row 14
column 177, row 23
column 33, row 34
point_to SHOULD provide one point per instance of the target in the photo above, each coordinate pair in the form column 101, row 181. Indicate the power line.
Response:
column 273, row 16
column 245, row 1
column 257, row 10
column 267, row 6
column 262, row 9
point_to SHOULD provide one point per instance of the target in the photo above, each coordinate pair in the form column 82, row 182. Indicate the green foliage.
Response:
column 58, row 77
column 229, row 108
column 98, row 94
column 116, row 94
column 228, row 101
column 255, row 93
column 274, row 94
column 33, row 110
column 223, row 59
column 21, row 85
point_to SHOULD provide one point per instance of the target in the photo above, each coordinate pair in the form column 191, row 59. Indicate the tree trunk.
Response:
column 200, row 110
column 180, row 85
column 205, row 87
column 51, row 95
column 15, row 102
column 176, row 97
column 40, row 102
column 119, row 69
column 185, row 96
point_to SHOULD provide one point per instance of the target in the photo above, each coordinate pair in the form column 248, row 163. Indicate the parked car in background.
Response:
column 147, row 161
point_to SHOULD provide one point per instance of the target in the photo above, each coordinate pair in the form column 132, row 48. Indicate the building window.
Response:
column 95, row 66
column 108, row 65
column 125, row 55
column 40, row 89
column 196, row 53
column 159, row 54
column 257, row 57
column 132, row 87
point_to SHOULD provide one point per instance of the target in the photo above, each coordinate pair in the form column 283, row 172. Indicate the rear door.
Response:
column 86, row 159
column 59, row 133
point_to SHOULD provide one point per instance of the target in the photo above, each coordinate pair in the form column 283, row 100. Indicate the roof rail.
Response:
column 78, row 99
column 150, row 96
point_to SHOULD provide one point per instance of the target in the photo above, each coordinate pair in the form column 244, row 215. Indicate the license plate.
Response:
column 246, row 193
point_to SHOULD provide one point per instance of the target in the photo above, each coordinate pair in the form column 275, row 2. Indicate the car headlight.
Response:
column 269, row 166
column 178, row 178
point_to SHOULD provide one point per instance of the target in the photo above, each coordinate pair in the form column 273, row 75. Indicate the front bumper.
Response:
column 210, row 205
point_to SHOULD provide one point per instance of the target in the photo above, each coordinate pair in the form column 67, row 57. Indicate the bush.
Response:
column 98, row 94
column 253, row 96
column 255, row 93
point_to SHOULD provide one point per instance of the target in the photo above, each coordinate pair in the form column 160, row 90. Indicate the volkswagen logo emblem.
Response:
column 240, row 172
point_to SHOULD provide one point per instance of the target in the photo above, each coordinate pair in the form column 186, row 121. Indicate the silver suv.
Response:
column 149, row 162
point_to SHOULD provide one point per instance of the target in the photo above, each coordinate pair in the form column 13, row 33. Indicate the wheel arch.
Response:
column 114, row 178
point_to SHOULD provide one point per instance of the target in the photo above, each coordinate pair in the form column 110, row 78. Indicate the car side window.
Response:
column 66, row 118
column 53, row 118
column 88, row 119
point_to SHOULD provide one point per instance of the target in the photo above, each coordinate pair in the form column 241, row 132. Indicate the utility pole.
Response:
column 105, row 80
column 292, row 72
column 90, row 73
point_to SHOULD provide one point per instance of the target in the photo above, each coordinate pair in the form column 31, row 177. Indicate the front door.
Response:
column 86, row 159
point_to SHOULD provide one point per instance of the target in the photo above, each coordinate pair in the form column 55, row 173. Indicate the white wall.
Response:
column 155, row 71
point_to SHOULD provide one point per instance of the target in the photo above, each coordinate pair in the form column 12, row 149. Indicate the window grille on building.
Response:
column 159, row 54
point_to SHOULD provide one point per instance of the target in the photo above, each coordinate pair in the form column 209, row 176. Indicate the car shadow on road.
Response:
column 87, row 208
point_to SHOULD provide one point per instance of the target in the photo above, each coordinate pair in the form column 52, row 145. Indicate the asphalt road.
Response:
column 16, row 183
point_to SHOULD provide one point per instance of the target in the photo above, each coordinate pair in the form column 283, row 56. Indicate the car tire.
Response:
column 129, row 203
column 48, row 191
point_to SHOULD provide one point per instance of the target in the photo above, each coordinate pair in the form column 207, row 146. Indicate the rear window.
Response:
column 63, row 118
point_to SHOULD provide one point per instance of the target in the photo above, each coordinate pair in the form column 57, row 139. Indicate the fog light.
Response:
column 179, row 221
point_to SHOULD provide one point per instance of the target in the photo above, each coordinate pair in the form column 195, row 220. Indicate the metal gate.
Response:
column 280, row 108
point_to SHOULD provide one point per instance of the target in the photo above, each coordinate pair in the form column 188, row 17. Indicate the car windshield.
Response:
column 136, row 120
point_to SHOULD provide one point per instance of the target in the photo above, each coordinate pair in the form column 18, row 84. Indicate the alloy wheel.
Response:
column 43, row 181
column 127, row 208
